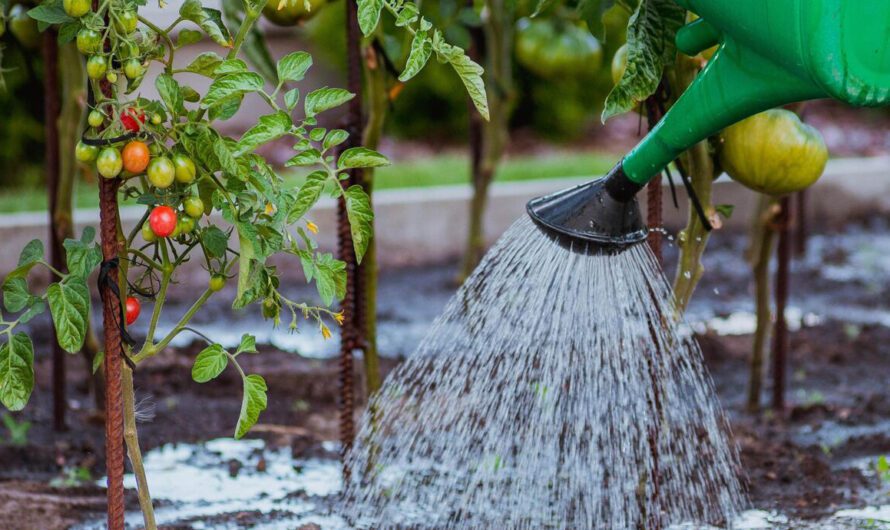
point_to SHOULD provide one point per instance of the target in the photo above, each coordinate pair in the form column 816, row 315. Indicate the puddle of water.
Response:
column 833, row 434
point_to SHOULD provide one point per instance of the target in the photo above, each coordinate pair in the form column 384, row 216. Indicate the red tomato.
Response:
column 162, row 221
column 132, row 309
column 135, row 156
column 129, row 117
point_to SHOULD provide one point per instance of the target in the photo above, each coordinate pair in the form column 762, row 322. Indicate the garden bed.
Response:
column 808, row 463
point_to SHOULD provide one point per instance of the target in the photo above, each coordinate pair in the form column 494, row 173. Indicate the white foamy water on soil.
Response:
column 555, row 391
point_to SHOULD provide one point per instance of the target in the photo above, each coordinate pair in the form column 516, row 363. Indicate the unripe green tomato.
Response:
column 185, row 169
column 111, row 77
column 109, row 162
column 126, row 22
column 88, row 41
column 154, row 149
column 148, row 234
column 161, row 172
column 23, row 27
column 270, row 308
column 217, row 282
column 133, row 68
column 293, row 12
column 85, row 153
column 96, row 67
column 193, row 206
column 76, row 8
column 773, row 152
column 95, row 118
column 186, row 224
column 128, row 50
column 156, row 119
column 619, row 64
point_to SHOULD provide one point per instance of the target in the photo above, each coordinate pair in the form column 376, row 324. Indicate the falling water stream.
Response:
column 556, row 390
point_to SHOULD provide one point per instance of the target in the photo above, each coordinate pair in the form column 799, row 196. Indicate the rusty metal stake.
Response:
column 654, row 214
column 111, row 312
column 51, row 109
column 802, row 231
column 780, row 334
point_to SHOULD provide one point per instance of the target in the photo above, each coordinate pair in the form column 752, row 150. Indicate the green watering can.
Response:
column 771, row 53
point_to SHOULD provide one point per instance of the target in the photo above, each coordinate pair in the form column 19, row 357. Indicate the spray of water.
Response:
column 556, row 391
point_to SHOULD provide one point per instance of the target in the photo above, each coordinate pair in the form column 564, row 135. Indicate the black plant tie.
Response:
column 108, row 278
column 670, row 179
column 693, row 197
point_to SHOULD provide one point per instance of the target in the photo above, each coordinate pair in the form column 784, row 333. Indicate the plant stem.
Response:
column 763, row 237
column 133, row 451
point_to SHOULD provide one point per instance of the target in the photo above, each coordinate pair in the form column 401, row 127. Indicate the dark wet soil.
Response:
column 795, row 460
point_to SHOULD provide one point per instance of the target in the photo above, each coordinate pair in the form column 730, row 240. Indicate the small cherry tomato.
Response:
column 131, row 118
column 89, row 41
column 186, row 225
column 23, row 27
column 111, row 77
column 109, row 162
column 128, row 50
column 76, row 8
column 161, row 172
column 96, row 67
column 155, row 149
column 156, row 119
column 133, row 307
column 147, row 234
column 135, row 156
column 217, row 282
column 185, row 169
column 86, row 153
column 125, row 22
column 95, row 118
column 133, row 68
column 162, row 221
column 193, row 206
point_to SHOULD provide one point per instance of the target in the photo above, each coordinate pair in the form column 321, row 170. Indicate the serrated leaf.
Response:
column 226, row 108
column 205, row 64
column 225, row 156
column 215, row 241
column 421, row 50
column 361, row 219
column 188, row 36
column 232, row 85
column 469, row 72
column 369, row 15
column 291, row 98
column 69, row 304
column 268, row 128
column 330, row 278
column 651, row 33
column 210, row 20
column 209, row 363
column 252, row 404
column 81, row 257
column 248, row 344
column 16, row 371
column 293, row 66
column 324, row 99
column 15, row 294
column 307, row 196
column 355, row 157
column 170, row 93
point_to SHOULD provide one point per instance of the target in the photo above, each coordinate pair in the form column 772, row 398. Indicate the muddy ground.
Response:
column 806, row 462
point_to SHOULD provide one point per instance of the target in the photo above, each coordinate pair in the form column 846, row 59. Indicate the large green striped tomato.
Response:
column 292, row 12
column 553, row 49
column 773, row 152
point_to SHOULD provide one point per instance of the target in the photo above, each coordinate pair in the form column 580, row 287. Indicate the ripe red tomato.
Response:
column 129, row 117
column 135, row 156
column 162, row 221
column 132, row 309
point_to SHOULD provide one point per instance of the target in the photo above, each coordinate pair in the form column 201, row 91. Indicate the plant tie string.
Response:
column 107, row 279
column 693, row 197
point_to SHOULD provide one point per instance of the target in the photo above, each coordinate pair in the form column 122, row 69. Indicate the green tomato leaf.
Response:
column 306, row 158
column 209, row 363
column 324, row 99
column 421, row 50
column 330, row 277
column 231, row 66
column 291, row 98
column 334, row 138
column 170, row 93
column 247, row 253
column 188, row 36
column 15, row 294
column 32, row 253
column 232, row 85
column 98, row 359
column 361, row 219
column 369, row 15
column 81, row 257
column 210, row 20
column 248, row 344
column 469, row 72
column 36, row 307
column 215, row 241
column 268, row 128
column 69, row 305
column 16, row 371
column 293, row 66
column 49, row 13
column 253, row 402
column 226, row 108
column 308, row 195
column 651, row 32
column 361, row 157
column 205, row 64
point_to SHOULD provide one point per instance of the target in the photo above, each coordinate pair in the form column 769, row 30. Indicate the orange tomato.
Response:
column 136, row 156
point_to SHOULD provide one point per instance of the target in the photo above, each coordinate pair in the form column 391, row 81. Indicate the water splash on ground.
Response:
column 553, row 392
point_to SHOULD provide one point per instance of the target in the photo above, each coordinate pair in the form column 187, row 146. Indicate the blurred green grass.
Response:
column 439, row 170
